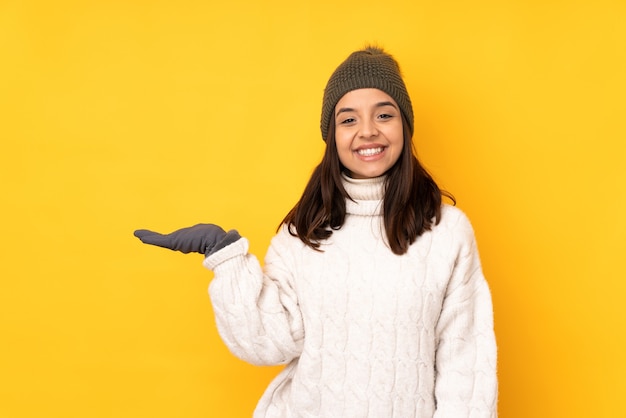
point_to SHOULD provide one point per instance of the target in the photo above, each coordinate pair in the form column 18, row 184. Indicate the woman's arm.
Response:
column 466, row 382
column 256, row 309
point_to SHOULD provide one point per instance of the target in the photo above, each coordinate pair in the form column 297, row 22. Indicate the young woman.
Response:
column 372, row 291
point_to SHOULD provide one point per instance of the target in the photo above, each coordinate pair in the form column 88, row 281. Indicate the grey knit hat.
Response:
column 368, row 68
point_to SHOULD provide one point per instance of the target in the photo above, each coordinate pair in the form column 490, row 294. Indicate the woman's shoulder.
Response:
column 455, row 221
column 286, row 237
column 450, row 213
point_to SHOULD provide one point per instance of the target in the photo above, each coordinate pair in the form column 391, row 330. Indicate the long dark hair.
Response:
column 411, row 205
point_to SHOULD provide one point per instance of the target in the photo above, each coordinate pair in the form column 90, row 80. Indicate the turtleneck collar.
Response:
column 367, row 195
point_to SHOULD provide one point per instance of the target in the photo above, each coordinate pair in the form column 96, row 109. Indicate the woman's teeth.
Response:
column 369, row 151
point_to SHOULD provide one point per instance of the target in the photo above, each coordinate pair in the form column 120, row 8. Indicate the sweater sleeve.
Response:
column 256, row 310
column 466, row 382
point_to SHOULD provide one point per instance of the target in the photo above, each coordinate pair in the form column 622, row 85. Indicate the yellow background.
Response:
column 117, row 115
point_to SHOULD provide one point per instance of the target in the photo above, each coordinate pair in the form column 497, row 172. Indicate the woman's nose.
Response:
column 368, row 129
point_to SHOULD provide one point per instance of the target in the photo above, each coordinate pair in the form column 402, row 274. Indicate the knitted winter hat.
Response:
column 369, row 68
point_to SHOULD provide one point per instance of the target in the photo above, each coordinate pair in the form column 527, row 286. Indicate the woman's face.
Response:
column 368, row 132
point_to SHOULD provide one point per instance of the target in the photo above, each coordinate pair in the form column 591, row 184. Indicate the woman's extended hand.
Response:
column 201, row 238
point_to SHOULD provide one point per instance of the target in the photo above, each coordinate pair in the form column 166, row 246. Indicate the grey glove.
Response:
column 201, row 238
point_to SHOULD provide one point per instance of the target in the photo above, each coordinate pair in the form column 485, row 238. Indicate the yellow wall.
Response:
column 116, row 115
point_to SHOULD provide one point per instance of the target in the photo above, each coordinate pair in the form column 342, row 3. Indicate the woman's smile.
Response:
column 369, row 152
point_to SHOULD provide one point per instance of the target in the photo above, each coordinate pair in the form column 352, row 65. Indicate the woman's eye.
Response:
column 346, row 121
column 384, row 116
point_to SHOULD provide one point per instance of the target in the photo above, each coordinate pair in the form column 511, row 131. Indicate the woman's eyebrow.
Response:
column 344, row 109
column 379, row 104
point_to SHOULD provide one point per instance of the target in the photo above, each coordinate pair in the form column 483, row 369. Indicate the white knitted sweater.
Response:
column 363, row 332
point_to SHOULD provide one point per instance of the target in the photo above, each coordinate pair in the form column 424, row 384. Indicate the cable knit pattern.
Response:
column 363, row 332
